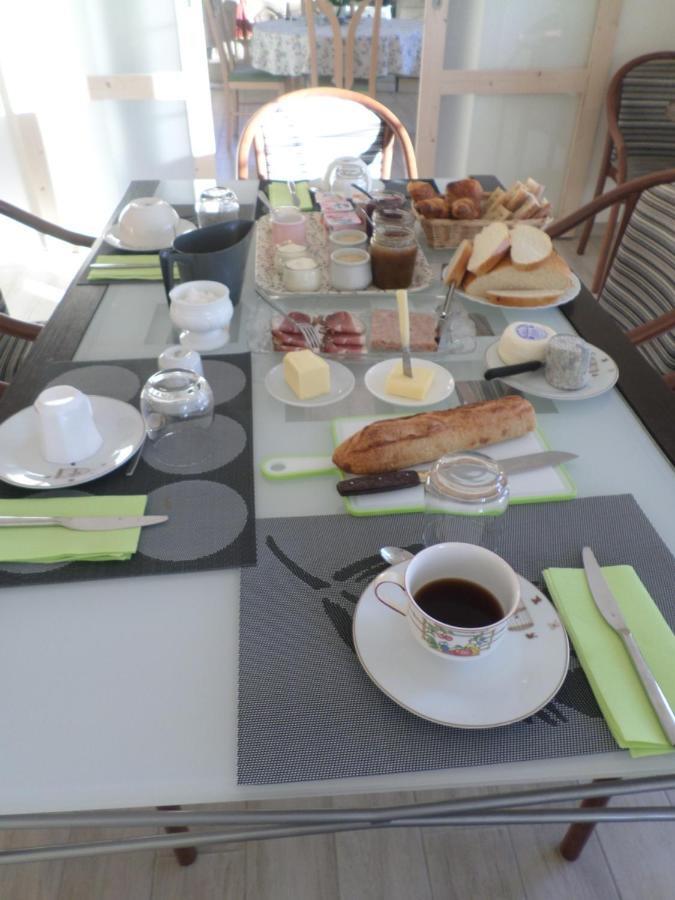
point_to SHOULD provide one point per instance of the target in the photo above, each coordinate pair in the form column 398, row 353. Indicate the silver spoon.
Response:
column 263, row 199
column 394, row 555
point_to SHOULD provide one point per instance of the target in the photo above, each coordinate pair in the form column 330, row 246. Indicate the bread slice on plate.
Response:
column 489, row 247
column 524, row 298
column 551, row 275
column 456, row 268
column 530, row 247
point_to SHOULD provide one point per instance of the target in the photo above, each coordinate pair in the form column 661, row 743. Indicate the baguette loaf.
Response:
column 392, row 444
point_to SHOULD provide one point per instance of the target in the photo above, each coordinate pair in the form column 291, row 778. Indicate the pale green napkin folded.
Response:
column 128, row 268
column 279, row 194
column 53, row 543
column 605, row 660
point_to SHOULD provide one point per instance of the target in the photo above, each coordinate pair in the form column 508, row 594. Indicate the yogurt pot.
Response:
column 350, row 269
column 288, row 250
column 347, row 238
column 301, row 274
column 288, row 224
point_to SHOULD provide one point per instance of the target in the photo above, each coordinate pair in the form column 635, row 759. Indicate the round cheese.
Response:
column 523, row 342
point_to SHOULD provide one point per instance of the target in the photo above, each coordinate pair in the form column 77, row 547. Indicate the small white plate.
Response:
column 569, row 294
column 531, row 659
column 441, row 387
column 113, row 238
column 341, row 385
column 22, row 464
column 603, row 376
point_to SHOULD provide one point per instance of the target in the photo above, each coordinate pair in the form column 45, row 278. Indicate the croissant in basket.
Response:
column 434, row 208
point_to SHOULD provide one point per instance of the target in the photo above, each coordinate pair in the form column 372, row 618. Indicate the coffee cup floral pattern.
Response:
column 451, row 641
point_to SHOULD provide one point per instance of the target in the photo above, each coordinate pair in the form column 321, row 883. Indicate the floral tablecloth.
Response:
column 282, row 47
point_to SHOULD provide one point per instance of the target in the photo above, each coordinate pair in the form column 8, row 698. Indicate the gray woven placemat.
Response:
column 308, row 711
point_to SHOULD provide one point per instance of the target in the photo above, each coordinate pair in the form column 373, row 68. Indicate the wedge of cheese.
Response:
column 415, row 388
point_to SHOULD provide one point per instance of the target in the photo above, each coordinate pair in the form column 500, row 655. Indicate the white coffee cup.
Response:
column 68, row 433
column 204, row 310
column 148, row 222
column 467, row 562
column 179, row 357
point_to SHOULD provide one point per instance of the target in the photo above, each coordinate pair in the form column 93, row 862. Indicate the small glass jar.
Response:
column 216, row 205
column 393, row 251
column 301, row 274
column 387, row 215
column 460, row 485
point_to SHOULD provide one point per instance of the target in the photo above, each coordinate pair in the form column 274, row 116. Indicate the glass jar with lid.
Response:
column 393, row 251
column 216, row 205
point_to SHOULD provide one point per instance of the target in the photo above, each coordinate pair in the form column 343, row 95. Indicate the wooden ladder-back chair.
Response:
column 237, row 74
column 299, row 134
column 639, row 291
column 16, row 335
column 640, row 135
column 343, row 48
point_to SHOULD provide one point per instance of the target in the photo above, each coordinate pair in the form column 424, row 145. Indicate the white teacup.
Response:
column 204, row 310
column 441, row 562
column 68, row 433
column 148, row 222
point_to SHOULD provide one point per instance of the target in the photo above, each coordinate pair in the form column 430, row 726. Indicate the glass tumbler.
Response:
column 177, row 408
column 216, row 205
column 461, row 487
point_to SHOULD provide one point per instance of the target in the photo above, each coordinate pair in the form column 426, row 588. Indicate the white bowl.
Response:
column 148, row 222
column 204, row 310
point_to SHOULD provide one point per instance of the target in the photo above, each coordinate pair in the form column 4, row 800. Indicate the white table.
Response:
column 282, row 47
column 124, row 693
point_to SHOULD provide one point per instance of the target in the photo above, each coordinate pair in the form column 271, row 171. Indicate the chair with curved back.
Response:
column 237, row 75
column 640, row 135
column 343, row 48
column 300, row 133
column 16, row 335
column 639, row 291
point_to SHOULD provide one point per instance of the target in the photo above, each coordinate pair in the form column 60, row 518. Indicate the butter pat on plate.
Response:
column 415, row 388
column 306, row 374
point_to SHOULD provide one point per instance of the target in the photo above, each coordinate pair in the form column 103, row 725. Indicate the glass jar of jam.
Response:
column 393, row 251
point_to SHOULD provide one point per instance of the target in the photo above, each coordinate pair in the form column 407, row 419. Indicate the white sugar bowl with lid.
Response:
column 203, row 310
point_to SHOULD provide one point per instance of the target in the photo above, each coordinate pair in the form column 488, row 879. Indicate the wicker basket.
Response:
column 442, row 234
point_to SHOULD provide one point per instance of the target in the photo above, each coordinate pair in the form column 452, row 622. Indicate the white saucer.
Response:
column 113, row 238
column 441, row 387
column 603, row 376
column 22, row 464
column 515, row 680
column 341, row 385
column 569, row 294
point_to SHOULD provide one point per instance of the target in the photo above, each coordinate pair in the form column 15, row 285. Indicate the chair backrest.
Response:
column 343, row 48
column 43, row 226
column 298, row 135
column 221, row 20
column 641, row 282
column 641, row 109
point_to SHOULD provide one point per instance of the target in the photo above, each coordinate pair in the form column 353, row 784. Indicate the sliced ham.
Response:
column 343, row 323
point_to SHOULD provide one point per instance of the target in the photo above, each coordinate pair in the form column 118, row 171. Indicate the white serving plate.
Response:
column 569, row 294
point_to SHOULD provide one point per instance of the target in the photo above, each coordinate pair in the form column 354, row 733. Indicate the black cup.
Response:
column 216, row 253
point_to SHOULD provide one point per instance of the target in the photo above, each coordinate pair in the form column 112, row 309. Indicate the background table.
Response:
column 128, row 698
column 282, row 47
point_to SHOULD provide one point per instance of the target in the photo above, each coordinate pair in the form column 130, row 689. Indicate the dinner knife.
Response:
column 292, row 190
column 83, row 523
column 388, row 481
column 404, row 328
column 611, row 613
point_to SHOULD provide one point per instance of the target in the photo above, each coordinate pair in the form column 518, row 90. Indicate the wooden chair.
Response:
column 17, row 336
column 640, row 135
column 343, row 50
column 299, row 134
column 238, row 75
column 639, row 290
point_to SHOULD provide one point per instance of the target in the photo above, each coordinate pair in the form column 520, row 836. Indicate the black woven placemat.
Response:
column 307, row 710
column 210, row 502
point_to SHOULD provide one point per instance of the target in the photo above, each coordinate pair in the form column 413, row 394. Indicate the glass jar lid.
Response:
column 469, row 478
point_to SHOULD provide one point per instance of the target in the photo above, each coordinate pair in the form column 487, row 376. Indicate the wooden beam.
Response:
column 155, row 86
column 512, row 81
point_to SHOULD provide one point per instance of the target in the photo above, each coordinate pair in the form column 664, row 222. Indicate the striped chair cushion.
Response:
column 13, row 350
column 641, row 283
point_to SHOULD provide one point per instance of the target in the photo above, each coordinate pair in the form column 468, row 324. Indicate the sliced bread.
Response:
column 489, row 247
column 551, row 275
column 456, row 268
column 530, row 247
column 523, row 298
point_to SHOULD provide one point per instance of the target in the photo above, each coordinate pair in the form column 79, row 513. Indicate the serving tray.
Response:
column 269, row 279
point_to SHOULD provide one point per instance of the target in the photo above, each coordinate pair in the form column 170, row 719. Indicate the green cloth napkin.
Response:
column 279, row 194
column 55, row 544
column 127, row 268
column 605, row 660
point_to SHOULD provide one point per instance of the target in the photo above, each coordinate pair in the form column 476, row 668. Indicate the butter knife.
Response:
column 292, row 190
column 611, row 613
column 403, row 478
column 83, row 523
column 404, row 328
